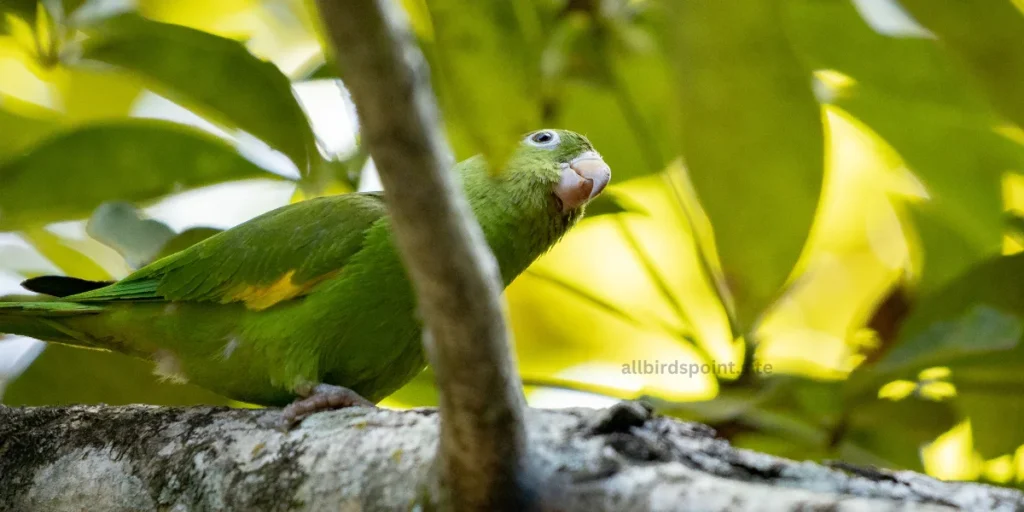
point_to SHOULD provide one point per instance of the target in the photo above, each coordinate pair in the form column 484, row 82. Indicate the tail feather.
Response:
column 62, row 286
column 41, row 320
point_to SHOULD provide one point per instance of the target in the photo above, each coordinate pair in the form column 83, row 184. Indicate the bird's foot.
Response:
column 317, row 398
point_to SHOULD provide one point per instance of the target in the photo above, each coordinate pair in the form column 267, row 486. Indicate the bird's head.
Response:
column 563, row 161
column 536, row 197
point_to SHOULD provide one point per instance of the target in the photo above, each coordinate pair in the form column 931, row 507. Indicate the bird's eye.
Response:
column 543, row 139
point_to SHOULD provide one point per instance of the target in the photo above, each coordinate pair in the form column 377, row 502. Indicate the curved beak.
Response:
column 582, row 180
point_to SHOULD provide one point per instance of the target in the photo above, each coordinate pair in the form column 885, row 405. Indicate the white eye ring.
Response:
column 543, row 139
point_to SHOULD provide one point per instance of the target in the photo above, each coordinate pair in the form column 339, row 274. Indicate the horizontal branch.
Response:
column 153, row 458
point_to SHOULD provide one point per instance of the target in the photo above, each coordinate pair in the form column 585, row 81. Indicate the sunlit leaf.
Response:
column 611, row 203
column 419, row 392
column 494, row 101
column 916, row 98
column 67, row 176
column 214, row 74
column 600, row 303
column 20, row 132
column 64, row 375
column 65, row 257
column 91, row 94
column 1015, row 226
column 121, row 227
column 752, row 141
column 986, row 36
column 199, row 14
column 317, row 67
column 657, row 279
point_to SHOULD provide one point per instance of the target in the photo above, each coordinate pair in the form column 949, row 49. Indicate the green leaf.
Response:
column 608, row 307
column 949, row 247
column 216, row 75
column 1015, row 226
column 611, row 203
column 752, row 141
column 626, row 121
column 987, row 37
column 945, row 340
column 64, row 375
column 24, row 9
column 816, row 418
column 419, row 392
column 69, row 260
column 990, row 391
column 973, row 326
column 960, row 162
column 69, row 175
column 894, row 431
column 317, row 68
column 911, row 94
column 605, row 77
column 996, row 415
column 89, row 95
column 20, row 132
column 121, row 227
column 485, row 57
column 976, row 319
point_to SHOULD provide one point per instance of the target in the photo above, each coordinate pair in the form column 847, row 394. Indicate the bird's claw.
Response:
column 314, row 399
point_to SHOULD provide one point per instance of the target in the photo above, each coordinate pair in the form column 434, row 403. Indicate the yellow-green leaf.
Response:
column 916, row 98
column 65, row 257
column 973, row 326
column 20, row 132
column 492, row 101
column 67, row 176
column 989, row 38
column 215, row 75
column 752, row 141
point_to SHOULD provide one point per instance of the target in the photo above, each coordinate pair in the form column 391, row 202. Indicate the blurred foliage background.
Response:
column 819, row 199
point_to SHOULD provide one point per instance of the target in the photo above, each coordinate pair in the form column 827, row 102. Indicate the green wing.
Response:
column 274, row 257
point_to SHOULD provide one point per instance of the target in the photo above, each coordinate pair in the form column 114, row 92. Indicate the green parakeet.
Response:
column 309, row 304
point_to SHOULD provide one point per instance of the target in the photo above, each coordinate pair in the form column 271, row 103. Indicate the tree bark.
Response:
column 482, row 455
column 142, row 458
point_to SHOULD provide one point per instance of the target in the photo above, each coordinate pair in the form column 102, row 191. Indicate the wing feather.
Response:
column 277, row 256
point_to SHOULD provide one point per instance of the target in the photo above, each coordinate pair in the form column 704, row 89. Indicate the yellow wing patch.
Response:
column 258, row 298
